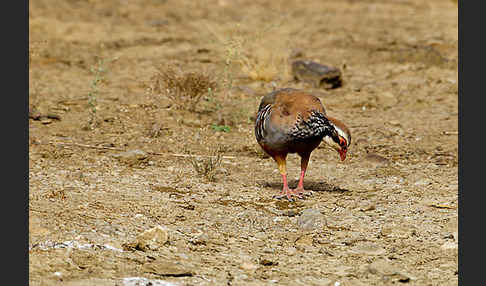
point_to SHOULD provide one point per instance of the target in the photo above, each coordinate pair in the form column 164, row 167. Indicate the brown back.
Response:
column 289, row 104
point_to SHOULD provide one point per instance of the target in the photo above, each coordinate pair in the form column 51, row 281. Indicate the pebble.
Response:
column 139, row 281
column 291, row 251
column 456, row 236
column 385, row 269
column 248, row 266
column 132, row 157
column 166, row 268
column 376, row 159
column 304, row 240
column 449, row 245
column 152, row 239
column 267, row 262
column 38, row 231
column 368, row 207
column 335, row 224
column 268, row 250
column 397, row 231
column 368, row 249
column 310, row 219
column 422, row 182
column 342, row 270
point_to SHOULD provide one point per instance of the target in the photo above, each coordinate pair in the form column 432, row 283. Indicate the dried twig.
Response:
column 123, row 150
column 85, row 146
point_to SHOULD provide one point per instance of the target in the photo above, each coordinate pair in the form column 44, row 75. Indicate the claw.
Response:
column 279, row 197
column 301, row 191
column 290, row 193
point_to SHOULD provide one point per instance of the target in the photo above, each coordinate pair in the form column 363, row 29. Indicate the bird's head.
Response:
column 340, row 137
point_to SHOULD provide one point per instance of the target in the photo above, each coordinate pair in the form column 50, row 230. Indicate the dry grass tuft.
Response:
column 34, row 49
column 261, row 55
column 183, row 89
column 208, row 166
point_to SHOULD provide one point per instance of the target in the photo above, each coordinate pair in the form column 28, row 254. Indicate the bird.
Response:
column 291, row 120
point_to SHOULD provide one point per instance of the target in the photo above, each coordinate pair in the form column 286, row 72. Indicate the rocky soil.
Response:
column 129, row 186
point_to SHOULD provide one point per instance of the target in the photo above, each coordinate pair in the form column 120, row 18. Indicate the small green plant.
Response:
column 221, row 128
column 183, row 89
column 98, row 71
column 214, row 102
column 207, row 166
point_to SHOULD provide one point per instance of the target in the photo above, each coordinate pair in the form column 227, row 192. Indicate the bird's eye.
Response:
column 342, row 142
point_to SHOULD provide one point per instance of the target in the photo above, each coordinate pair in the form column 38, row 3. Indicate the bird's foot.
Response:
column 301, row 191
column 289, row 194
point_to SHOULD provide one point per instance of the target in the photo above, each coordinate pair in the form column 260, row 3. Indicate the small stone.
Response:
column 376, row 159
column 449, row 245
column 368, row 249
column 290, row 213
column 456, row 236
column 200, row 239
column 132, row 157
column 397, row 231
column 296, row 53
column 267, row 262
column 382, row 267
column 422, row 182
column 368, row 207
column 310, row 219
column 139, row 281
column 324, row 282
column 324, row 251
column 312, row 280
column 268, row 250
column 386, row 231
column 248, row 266
column 291, row 251
column 335, row 224
column 304, row 240
column 151, row 239
column 352, row 238
column 166, row 268
column 388, row 271
column 342, row 270
column 388, row 94
column 38, row 231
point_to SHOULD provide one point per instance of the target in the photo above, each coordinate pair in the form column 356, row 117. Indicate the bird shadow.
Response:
column 308, row 185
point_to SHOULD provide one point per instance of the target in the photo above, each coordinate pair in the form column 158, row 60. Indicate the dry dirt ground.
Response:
column 386, row 215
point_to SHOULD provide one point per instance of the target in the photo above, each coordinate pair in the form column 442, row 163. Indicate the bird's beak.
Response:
column 342, row 153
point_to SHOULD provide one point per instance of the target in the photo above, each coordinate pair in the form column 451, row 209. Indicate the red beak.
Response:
column 342, row 153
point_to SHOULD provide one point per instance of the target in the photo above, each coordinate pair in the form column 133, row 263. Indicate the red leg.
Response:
column 282, row 167
column 285, row 190
column 303, row 167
